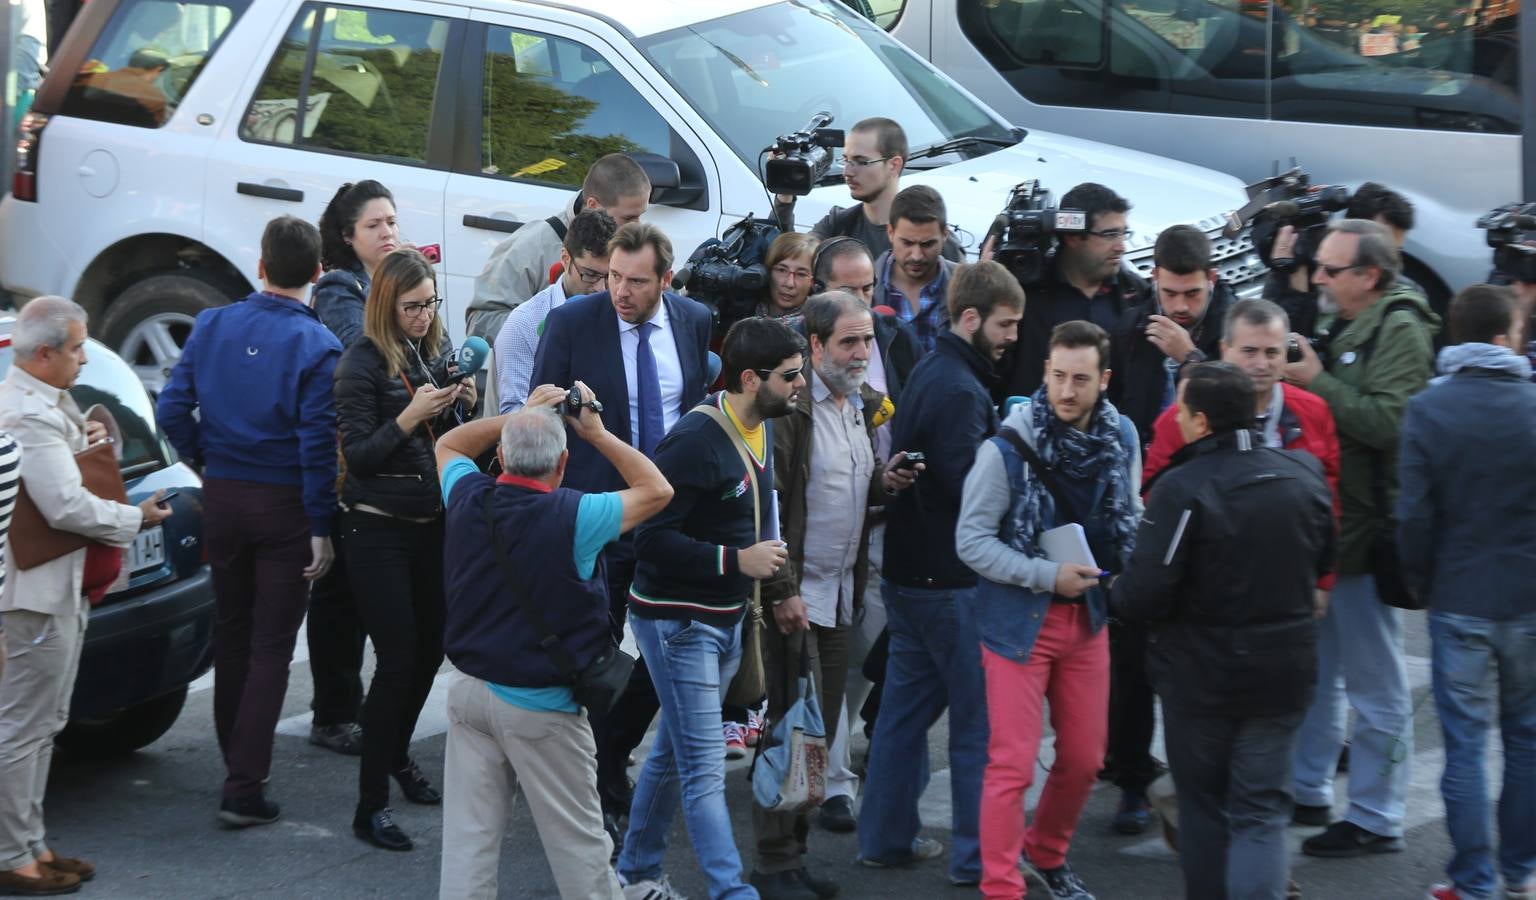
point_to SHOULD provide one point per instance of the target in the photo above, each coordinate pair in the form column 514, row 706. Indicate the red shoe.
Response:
column 1444, row 892
column 754, row 727
column 735, row 740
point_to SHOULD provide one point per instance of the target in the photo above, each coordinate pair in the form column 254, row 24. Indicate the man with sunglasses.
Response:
column 584, row 270
column 1381, row 353
column 1086, row 280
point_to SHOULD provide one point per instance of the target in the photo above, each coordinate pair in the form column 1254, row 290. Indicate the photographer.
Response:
column 510, row 708
column 1085, row 280
column 874, row 152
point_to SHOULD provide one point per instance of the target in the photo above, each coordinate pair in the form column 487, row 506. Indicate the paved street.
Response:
column 148, row 823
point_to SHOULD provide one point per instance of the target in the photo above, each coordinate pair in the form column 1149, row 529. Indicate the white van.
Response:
column 169, row 132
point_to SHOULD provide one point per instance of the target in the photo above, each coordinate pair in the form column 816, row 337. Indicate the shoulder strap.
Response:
column 1065, row 509
column 1363, row 351
column 558, row 226
column 550, row 642
column 1378, row 458
column 746, row 459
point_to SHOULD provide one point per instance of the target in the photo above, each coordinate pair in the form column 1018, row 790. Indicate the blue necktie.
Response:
column 649, row 392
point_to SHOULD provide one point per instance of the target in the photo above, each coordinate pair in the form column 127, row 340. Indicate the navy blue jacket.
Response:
column 1466, row 507
column 259, row 373
column 339, row 298
column 581, row 343
column 945, row 413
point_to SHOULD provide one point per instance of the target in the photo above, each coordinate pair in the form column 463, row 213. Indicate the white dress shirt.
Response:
column 518, row 341
column 669, row 370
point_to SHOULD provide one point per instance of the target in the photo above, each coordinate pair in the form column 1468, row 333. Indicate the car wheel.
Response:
column 149, row 322
column 124, row 731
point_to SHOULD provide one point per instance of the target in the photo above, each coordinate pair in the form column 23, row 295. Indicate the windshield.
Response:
column 765, row 72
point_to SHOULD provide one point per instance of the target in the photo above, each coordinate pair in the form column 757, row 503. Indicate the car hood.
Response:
column 1161, row 191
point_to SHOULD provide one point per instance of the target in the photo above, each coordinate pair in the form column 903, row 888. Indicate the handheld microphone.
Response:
column 471, row 357
column 884, row 310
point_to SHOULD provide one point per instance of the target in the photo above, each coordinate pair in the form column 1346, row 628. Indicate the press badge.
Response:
column 1347, row 358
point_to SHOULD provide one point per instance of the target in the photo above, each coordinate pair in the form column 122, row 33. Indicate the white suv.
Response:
column 169, row 132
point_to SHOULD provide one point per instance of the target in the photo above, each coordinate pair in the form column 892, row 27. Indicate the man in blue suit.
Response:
column 643, row 351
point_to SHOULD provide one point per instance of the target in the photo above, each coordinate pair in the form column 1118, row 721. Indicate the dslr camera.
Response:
column 1025, row 229
column 727, row 274
column 572, row 404
column 1507, row 229
column 802, row 159
column 1291, row 198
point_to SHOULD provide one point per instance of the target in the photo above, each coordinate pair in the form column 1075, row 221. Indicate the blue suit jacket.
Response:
column 581, row 343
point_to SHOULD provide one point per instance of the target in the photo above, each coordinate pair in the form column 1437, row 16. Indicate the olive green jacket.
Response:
column 1367, row 399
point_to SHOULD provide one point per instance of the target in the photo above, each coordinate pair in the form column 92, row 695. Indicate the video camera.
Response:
column 1023, row 230
column 801, row 159
column 728, row 274
column 1289, row 198
column 1508, row 228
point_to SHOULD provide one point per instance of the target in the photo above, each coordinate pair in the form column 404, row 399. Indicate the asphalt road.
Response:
column 148, row 822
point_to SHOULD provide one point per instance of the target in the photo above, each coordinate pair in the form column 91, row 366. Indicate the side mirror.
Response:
column 667, row 183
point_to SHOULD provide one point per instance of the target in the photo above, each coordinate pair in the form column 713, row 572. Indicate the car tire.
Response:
column 124, row 731
column 148, row 323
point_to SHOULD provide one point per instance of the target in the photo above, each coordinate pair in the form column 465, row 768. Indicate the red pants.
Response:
column 1068, row 664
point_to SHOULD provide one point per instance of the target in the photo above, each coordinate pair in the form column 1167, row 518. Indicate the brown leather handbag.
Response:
column 33, row 541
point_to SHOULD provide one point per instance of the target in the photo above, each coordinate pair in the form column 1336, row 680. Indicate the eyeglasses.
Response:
column 856, row 163
column 1113, row 234
column 1334, row 271
column 784, row 271
column 789, row 377
column 414, row 310
column 589, row 276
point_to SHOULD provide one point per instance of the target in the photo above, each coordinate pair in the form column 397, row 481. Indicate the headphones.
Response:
column 817, row 285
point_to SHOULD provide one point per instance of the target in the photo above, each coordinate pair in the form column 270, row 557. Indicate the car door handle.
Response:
column 271, row 193
column 490, row 224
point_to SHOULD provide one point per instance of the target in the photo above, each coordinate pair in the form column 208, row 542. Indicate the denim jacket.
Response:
column 1014, row 592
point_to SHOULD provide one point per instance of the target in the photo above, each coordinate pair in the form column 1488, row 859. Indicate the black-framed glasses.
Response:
column 789, row 377
column 1113, row 234
column 414, row 310
column 589, row 276
column 857, row 163
column 1335, row 271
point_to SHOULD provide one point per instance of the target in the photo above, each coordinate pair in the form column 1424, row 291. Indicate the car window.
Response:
column 109, row 381
column 146, row 59
column 553, row 106
column 369, row 91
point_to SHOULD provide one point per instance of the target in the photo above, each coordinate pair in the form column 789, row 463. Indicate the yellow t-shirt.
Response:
column 756, row 438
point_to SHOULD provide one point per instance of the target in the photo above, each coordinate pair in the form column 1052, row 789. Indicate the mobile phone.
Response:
column 911, row 459
column 165, row 500
column 433, row 252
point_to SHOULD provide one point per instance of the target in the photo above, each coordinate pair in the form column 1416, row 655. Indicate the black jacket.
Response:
column 1140, row 375
column 387, row 468
column 1053, row 301
column 946, row 414
column 899, row 350
column 1226, row 562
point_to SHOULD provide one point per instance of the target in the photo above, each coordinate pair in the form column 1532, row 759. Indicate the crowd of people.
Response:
column 917, row 481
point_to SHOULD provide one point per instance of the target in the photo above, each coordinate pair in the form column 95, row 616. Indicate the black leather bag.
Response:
column 596, row 686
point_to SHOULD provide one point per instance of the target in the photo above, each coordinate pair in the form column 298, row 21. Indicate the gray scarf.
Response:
column 1481, row 356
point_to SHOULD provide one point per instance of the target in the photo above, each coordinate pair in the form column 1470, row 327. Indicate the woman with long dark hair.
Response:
column 357, row 230
column 392, row 399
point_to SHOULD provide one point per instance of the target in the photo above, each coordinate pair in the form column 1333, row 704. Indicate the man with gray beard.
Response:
column 824, row 474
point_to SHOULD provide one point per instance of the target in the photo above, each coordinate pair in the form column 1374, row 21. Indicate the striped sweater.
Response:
column 10, row 485
column 686, row 555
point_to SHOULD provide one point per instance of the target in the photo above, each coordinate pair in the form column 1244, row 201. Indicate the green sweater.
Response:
column 1367, row 402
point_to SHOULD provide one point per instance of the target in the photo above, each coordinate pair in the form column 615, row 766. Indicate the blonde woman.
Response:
column 393, row 396
column 789, row 274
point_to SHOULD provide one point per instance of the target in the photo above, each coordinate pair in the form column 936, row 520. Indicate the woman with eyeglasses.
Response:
column 392, row 401
column 789, row 274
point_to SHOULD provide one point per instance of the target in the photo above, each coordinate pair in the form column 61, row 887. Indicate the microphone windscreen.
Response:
column 472, row 355
column 884, row 310
column 712, row 364
column 1010, row 403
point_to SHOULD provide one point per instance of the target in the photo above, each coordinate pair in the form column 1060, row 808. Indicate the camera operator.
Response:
column 1182, row 325
column 1084, row 280
column 1295, row 292
column 511, row 709
column 874, row 153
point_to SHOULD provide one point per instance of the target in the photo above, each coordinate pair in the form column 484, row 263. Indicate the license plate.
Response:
column 147, row 550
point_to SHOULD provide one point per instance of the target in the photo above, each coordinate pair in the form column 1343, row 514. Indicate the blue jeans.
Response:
column 691, row 664
column 1359, row 642
column 935, row 662
column 1476, row 662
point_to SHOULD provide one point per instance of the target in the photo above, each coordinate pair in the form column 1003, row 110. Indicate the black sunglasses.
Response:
column 789, row 377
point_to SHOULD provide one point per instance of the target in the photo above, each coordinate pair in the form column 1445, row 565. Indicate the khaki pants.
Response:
column 493, row 749
column 42, row 655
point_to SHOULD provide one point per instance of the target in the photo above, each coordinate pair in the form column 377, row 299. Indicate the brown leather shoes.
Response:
column 49, row 883
column 71, row 866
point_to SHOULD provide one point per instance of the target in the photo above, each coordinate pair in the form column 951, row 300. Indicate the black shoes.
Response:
column 345, row 738
column 1346, row 839
column 1312, row 816
column 794, row 884
column 415, row 786
column 837, row 815
column 380, row 830
column 244, row 812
